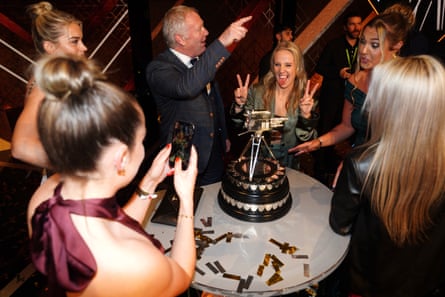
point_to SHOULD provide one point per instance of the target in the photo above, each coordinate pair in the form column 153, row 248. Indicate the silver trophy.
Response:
column 257, row 122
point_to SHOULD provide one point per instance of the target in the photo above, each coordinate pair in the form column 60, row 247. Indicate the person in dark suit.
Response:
column 336, row 63
column 185, row 90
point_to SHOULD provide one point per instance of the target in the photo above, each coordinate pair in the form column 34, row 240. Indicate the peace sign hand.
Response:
column 241, row 92
column 307, row 102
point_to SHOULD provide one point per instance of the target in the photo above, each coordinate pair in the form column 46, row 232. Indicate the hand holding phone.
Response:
column 181, row 143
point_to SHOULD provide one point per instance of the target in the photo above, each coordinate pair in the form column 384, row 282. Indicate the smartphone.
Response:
column 182, row 136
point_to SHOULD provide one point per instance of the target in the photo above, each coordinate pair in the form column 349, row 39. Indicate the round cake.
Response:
column 261, row 198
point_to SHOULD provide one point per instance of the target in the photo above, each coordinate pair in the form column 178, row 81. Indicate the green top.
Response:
column 359, row 118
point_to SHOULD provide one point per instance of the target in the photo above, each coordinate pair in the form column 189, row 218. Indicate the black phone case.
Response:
column 167, row 212
column 177, row 150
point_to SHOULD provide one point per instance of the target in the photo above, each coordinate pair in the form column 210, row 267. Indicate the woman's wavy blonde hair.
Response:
column 406, row 104
column 300, row 79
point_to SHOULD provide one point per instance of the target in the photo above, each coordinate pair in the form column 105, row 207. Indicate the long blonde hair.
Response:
column 300, row 79
column 406, row 104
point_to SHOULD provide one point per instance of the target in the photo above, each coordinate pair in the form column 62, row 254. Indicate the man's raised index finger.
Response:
column 244, row 20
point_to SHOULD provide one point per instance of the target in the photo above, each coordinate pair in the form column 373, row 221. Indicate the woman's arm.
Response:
column 243, row 100
column 342, row 131
column 240, row 95
column 339, row 133
column 25, row 143
column 167, row 275
column 137, row 207
column 183, row 249
column 307, row 118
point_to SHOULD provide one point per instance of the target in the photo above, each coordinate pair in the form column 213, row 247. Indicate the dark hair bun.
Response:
column 62, row 76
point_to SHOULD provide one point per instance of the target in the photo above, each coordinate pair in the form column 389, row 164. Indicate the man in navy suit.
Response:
column 181, row 83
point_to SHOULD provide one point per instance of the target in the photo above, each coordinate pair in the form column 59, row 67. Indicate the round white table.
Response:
column 230, row 268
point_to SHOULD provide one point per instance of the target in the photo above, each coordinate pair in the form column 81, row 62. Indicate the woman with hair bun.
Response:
column 380, row 40
column 53, row 32
column 81, row 239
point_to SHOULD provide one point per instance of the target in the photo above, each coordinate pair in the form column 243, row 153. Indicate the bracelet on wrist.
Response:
column 320, row 143
column 143, row 195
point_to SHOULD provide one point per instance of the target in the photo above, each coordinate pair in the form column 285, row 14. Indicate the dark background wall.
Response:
column 123, row 40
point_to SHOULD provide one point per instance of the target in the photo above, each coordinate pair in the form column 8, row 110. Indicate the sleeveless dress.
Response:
column 58, row 250
column 359, row 119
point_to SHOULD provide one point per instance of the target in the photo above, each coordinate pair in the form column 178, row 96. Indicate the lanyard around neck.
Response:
column 351, row 61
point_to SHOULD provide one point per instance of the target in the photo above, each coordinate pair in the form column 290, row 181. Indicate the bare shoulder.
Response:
column 130, row 266
column 43, row 193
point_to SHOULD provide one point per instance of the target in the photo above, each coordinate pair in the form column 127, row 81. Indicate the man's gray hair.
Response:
column 174, row 23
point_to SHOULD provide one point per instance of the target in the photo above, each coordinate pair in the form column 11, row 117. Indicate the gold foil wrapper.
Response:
column 275, row 278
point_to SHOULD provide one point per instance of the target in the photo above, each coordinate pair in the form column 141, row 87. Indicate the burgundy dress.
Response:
column 57, row 249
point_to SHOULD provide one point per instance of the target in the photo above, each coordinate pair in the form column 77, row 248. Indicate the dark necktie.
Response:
column 208, row 87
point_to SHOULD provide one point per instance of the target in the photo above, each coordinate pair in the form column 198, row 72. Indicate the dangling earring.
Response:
column 121, row 169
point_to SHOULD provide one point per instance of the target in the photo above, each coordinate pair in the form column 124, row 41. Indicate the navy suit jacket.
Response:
column 179, row 93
